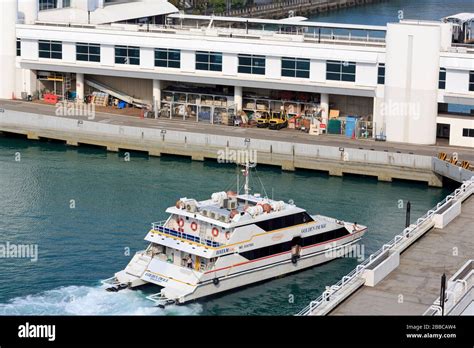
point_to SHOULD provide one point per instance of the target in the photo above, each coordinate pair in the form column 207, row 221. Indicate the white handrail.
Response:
column 406, row 233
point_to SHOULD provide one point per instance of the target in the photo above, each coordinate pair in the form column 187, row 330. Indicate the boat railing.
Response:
column 410, row 232
column 159, row 226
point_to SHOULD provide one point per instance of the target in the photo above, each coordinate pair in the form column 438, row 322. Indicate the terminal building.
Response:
column 411, row 81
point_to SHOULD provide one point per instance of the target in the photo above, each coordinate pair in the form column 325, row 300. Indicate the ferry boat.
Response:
column 229, row 241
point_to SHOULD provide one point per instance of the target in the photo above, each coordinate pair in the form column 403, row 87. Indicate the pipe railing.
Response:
column 407, row 233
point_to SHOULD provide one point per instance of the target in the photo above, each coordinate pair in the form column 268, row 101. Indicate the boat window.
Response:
column 284, row 221
column 286, row 246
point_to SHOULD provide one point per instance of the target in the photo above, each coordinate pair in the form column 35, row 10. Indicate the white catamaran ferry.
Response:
column 231, row 240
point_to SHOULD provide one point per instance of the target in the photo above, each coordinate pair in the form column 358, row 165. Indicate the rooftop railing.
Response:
column 408, row 233
column 336, row 36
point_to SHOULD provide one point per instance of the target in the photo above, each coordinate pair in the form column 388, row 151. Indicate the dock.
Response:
column 404, row 276
column 287, row 149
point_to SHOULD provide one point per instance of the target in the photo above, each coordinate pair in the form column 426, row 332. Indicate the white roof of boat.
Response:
column 462, row 17
column 287, row 21
column 210, row 205
column 111, row 13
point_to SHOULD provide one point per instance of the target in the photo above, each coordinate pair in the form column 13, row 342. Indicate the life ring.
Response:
column 227, row 235
column 180, row 222
column 194, row 226
column 215, row 232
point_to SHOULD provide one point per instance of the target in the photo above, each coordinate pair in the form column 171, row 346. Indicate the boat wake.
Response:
column 87, row 300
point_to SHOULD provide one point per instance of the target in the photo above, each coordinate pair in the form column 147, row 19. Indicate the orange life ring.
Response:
column 180, row 222
column 194, row 226
column 215, row 232
column 227, row 235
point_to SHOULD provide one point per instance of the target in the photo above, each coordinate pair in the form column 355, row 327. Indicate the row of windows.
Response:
column 212, row 61
column 468, row 132
column 286, row 246
column 284, row 221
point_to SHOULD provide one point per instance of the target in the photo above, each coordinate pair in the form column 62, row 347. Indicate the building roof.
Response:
column 109, row 14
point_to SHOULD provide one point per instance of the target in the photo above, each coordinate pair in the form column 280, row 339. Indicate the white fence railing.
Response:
column 466, row 189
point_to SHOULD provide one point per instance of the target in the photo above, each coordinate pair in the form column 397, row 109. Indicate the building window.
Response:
column 18, row 47
column 88, row 52
column 381, row 74
column 251, row 64
column 468, row 132
column 471, row 81
column 167, row 58
column 208, row 61
column 340, row 71
column 295, row 67
column 47, row 4
column 442, row 78
column 127, row 55
column 50, row 49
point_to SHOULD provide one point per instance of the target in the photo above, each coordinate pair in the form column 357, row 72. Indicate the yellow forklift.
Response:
column 263, row 120
column 278, row 120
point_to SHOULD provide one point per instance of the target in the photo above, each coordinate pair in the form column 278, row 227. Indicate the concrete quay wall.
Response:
column 199, row 146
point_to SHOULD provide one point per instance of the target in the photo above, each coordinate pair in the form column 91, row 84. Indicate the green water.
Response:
column 115, row 201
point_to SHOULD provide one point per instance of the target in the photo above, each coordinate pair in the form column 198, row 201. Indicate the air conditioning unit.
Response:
column 191, row 207
column 232, row 203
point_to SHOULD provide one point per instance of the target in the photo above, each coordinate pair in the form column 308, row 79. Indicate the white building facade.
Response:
column 405, row 74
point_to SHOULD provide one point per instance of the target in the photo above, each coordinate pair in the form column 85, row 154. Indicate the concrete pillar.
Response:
column 238, row 98
column 80, row 87
column 157, row 86
column 411, row 82
column 8, row 17
column 325, row 107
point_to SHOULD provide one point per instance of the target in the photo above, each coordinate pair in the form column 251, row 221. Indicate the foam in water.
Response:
column 86, row 300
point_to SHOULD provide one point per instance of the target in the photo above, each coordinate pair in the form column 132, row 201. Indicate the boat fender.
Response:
column 216, row 281
column 294, row 259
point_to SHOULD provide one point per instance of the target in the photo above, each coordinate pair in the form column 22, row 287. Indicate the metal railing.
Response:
column 409, row 232
column 159, row 226
column 216, row 31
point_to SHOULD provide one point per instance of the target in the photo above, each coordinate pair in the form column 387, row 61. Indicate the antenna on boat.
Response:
column 246, row 171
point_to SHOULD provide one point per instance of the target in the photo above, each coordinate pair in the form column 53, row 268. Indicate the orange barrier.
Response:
column 50, row 98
